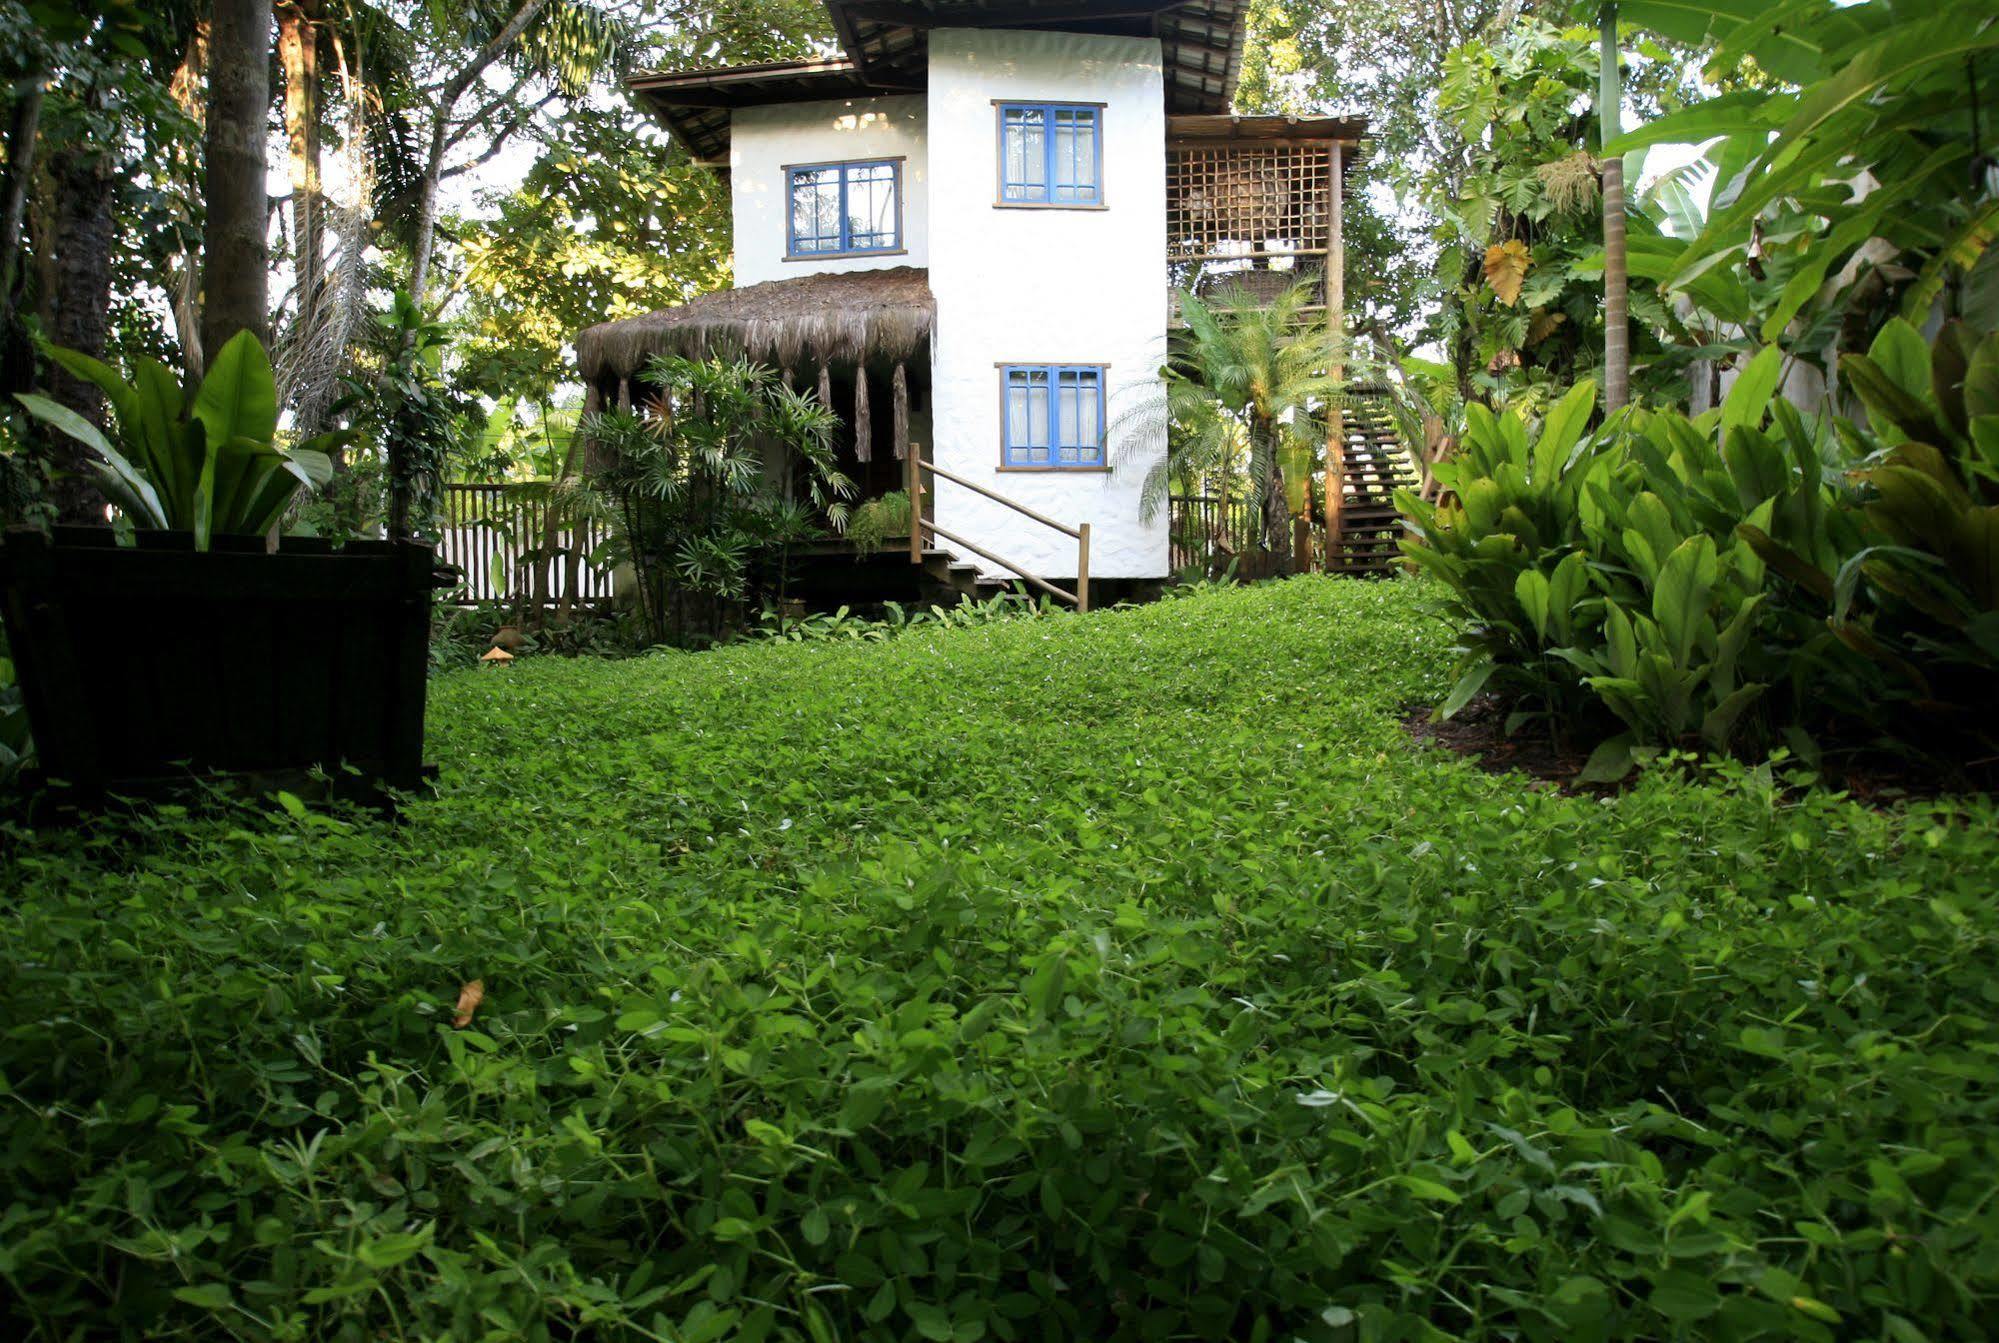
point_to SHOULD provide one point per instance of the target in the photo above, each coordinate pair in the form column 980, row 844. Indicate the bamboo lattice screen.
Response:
column 1257, row 215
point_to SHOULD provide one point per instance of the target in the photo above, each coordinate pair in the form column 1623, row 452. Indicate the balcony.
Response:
column 1255, row 203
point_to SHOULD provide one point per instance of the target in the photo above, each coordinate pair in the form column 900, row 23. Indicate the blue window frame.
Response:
column 844, row 209
column 1051, row 154
column 1052, row 415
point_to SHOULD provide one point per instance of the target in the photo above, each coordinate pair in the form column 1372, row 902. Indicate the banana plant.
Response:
column 211, row 466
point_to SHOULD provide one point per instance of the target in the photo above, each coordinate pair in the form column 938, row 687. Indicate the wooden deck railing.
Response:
column 499, row 538
column 923, row 528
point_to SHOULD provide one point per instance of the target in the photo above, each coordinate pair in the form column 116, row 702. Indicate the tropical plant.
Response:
column 1245, row 381
column 1914, row 587
column 17, row 744
column 1851, row 165
column 211, row 466
column 1610, row 571
column 409, row 410
column 1523, row 270
column 876, row 520
column 698, row 506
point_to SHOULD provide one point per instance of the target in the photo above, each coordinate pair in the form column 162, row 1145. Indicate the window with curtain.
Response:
column 1051, row 154
column 1054, row 415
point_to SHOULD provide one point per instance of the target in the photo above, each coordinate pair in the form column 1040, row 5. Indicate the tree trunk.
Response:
column 440, row 141
column 1616, row 306
column 78, row 307
column 1276, row 532
column 16, row 354
column 184, row 288
column 298, row 53
column 236, row 294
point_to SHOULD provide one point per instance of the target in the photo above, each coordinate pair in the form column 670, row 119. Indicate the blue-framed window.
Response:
column 839, row 209
column 1051, row 154
column 1052, row 415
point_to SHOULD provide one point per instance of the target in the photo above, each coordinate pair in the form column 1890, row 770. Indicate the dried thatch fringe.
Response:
column 847, row 317
column 900, row 385
column 825, row 386
column 864, row 444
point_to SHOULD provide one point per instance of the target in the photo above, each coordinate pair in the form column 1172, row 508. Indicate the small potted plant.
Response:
column 195, row 635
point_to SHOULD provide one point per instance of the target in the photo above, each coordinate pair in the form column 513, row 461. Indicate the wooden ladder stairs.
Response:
column 1373, row 465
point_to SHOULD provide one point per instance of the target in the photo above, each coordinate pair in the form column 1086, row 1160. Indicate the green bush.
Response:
column 1119, row 977
column 1604, row 571
column 1742, row 577
column 1915, row 587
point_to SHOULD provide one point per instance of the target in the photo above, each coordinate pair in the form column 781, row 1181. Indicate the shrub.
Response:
column 698, row 508
column 878, row 519
column 1913, row 582
column 1740, row 577
column 1604, row 571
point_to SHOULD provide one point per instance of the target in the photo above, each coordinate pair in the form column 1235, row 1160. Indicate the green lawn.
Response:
column 1124, row 976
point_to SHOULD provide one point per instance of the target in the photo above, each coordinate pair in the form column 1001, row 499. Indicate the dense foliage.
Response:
column 1672, row 570
column 704, row 523
column 836, row 991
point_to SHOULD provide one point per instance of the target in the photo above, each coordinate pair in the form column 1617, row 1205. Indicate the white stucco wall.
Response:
column 1046, row 286
column 763, row 141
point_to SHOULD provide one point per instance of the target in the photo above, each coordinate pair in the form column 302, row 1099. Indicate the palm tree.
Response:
column 235, row 293
column 1616, row 317
column 1244, row 377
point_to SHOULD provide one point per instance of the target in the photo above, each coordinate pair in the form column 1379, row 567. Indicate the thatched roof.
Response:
column 851, row 317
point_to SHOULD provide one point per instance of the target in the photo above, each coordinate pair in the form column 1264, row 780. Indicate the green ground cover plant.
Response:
column 1129, row 975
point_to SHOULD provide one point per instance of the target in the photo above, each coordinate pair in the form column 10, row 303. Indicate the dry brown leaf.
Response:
column 1506, row 269
column 1544, row 324
column 469, row 998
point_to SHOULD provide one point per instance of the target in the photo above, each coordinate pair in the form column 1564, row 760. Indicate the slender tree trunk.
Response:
column 16, row 355
column 1276, row 538
column 298, row 53
column 236, row 292
column 1616, row 304
column 77, row 306
column 440, row 133
column 186, row 88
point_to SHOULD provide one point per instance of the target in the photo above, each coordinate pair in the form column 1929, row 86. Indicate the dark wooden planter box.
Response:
column 139, row 664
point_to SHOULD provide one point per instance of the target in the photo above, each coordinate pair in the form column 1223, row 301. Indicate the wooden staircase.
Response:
column 1373, row 465
column 952, row 574
column 947, row 568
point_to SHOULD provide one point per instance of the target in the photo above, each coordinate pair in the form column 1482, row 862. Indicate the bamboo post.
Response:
column 912, row 469
column 1336, row 299
column 1083, row 566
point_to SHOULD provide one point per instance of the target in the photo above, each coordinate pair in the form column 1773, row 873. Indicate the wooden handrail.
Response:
column 1033, row 578
column 921, row 528
column 998, row 498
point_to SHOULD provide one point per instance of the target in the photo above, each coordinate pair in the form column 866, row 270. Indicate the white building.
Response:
column 967, row 230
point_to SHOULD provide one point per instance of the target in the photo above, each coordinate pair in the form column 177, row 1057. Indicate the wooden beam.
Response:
column 904, row 15
column 1083, row 568
column 1335, row 281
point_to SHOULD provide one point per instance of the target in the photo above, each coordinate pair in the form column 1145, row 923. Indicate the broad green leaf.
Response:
column 1748, row 400
column 1679, row 602
column 1467, row 685
column 1903, row 355
column 239, row 397
column 1561, row 430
